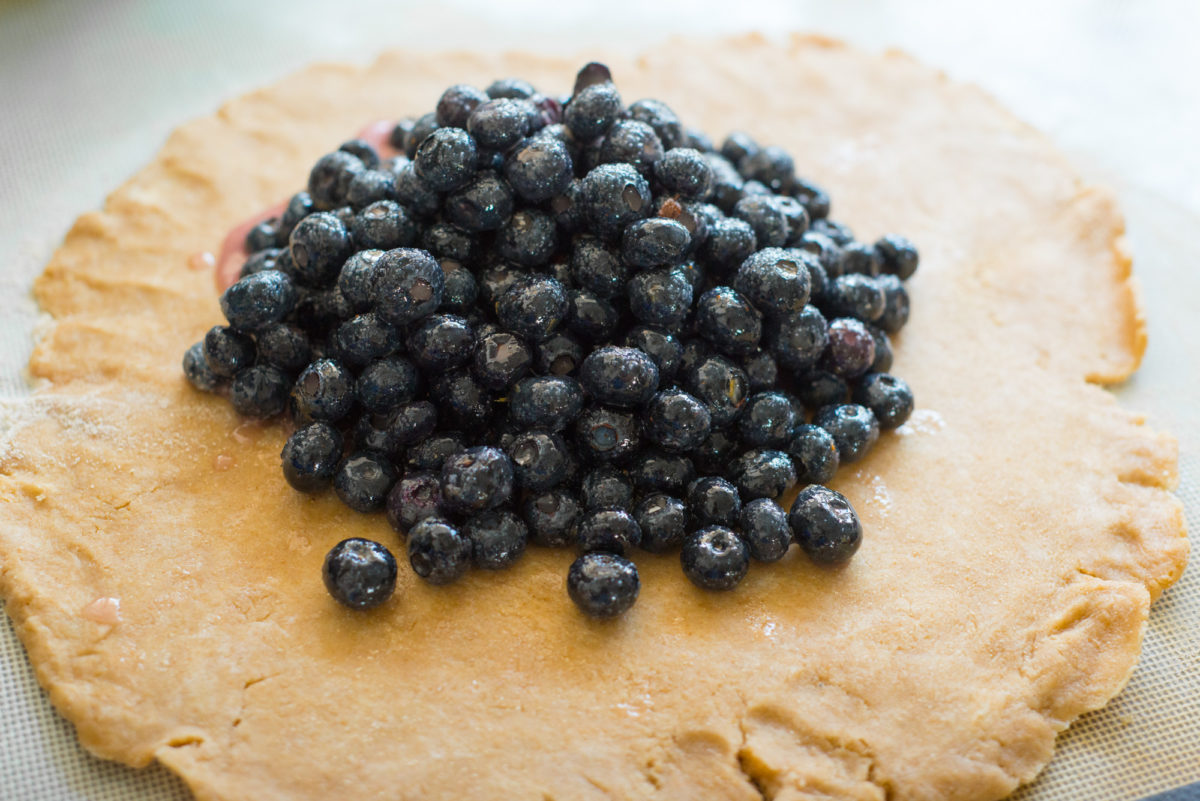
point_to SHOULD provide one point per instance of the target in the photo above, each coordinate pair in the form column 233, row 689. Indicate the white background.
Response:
column 88, row 91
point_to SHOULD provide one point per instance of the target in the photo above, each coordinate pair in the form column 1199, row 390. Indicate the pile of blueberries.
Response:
column 572, row 322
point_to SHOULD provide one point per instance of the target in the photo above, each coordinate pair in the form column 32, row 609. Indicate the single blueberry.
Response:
column 547, row 402
column 767, row 420
column 260, row 391
column 497, row 538
column 197, row 371
column 776, row 280
column 631, row 142
column 663, row 521
column 437, row 551
column 714, row 558
column 323, row 391
column 483, row 204
column 888, row 398
column 529, row 238
column 899, row 255
column 720, row 385
column 446, row 159
column 655, row 242
column 603, row 585
column 851, row 350
column 676, row 421
column 655, row 471
column 457, row 103
column 712, row 500
column 606, row 435
column 311, row 456
column 363, row 481
column 539, row 460
column 597, row 267
column 729, row 321
column 364, row 338
column 319, row 246
column 617, row 376
column 766, row 216
column 660, row 297
column 501, row 359
column 431, row 453
column 614, row 195
column 385, row 384
column 538, row 169
column 383, row 225
column 606, row 487
column 824, row 525
column 533, row 308
column 359, row 573
column 855, row 295
column 330, row 178
column 609, row 531
column 730, row 242
column 441, row 342
column 408, row 285
column 684, row 172
column 797, row 340
column 227, row 352
column 558, row 354
column 414, row 497
column 592, row 111
column 763, row 473
column 500, row 123
column 662, row 347
column 765, row 529
column 478, row 478
column 853, row 427
column 553, row 517
column 814, row 454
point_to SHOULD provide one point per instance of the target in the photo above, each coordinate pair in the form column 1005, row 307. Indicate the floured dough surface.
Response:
column 166, row 580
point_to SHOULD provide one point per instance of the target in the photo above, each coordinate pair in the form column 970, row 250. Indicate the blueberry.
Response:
column 528, row 238
column 662, row 520
column 538, row 168
column 766, row 216
column 814, row 454
column 824, row 525
column 729, row 321
column 299, row 206
column 697, row 139
column 533, row 308
column 797, row 340
column 676, row 421
column 227, row 352
column 311, row 456
column 408, row 285
column 432, row 452
column 655, row 471
column 547, row 402
column 553, row 517
column 355, row 278
column 539, row 460
column 383, row 225
column 606, row 487
column 591, row 317
column 765, row 530
column 727, row 183
column 767, row 420
column 712, row 500
column 494, row 281
column 660, row 297
column 385, row 384
column 399, row 133
column 617, row 376
column 359, row 573
column 260, row 391
column 854, row 429
column 696, row 218
column 592, row 111
column 262, row 236
column 497, row 539
column 606, row 435
column 455, row 105
column 500, row 123
column 763, row 473
column 770, row 165
column 775, row 280
column 478, row 478
column 446, row 159
column 716, row 453
column 827, row 253
column 684, row 172
column 664, row 349
column 441, row 342
column 262, row 261
column 482, row 205
column 761, row 370
column 466, row 404
column 609, row 531
column 197, row 371
column 888, row 398
column 364, row 338
column 883, row 351
column 840, row 233
column 421, row 129
column 363, row 481
column 369, row 187
column 855, row 295
column 862, row 259
column 895, row 304
column 737, row 146
column 437, row 551
column 851, row 350
column 603, row 585
column 661, row 118
column 898, row 254
column 500, row 359
column 330, row 178
column 631, row 142
column 323, row 391
column 814, row 198
column 370, row 433
column 414, row 194
column 720, row 385
column 654, row 242
column 559, row 354
column 319, row 245
column 614, row 195
column 409, row 423
column 714, row 558
column 730, row 242
column 361, row 149
column 595, row 266
column 412, row 499
column 446, row 241
column 510, row 87
column 818, row 388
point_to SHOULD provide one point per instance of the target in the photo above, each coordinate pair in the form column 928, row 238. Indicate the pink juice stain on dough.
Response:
column 233, row 248
column 105, row 611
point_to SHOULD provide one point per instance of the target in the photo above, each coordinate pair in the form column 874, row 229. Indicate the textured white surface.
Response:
column 90, row 90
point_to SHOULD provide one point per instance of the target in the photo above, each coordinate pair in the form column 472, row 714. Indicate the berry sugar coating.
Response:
column 888, row 398
column 364, row 480
column 660, row 297
column 538, row 169
column 553, row 517
column 767, row 420
column 413, row 498
column 712, row 500
column 197, row 371
column 407, row 286
column 539, row 460
column 319, row 245
column 814, row 454
column 359, row 573
column 438, row 551
column 323, row 391
column 386, row 383
column 899, row 255
column 797, row 340
column 550, row 402
column 853, row 427
column 721, row 386
column 258, row 300
column 660, row 346
column 603, row 585
column 364, row 338
column 729, row 321
column 715, row 558
column 606, row 487
column 763, row 473
column 260, row 391
column 609, row 531
column 676, row 421
column 654, row 471
column 497, row 538
column 483, row 204
column 765, row 529
column 654, row 243
column 616, row 376
column 446, row 159
column 775, row 280
column 533, row 307
column 592, row 111
column 684, row 172
column 432, row 452
column 851, row 349
column 227, row 351
column 606, row 435
column 663, row 520
column 824, row 525
column 500, row 360
column 614, row 195
column 311, row 456
column 478, row 478
column 441, row 342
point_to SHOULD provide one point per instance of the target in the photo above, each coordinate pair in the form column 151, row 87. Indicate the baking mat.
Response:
column 1145, row 741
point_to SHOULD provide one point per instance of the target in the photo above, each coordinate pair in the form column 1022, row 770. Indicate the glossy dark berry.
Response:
column 431, row 452
column 592, row 111
column 853, row 427
column 262, row 261
column 855, row 295
column 510, row 87
column 324, row 391
column 814, row 454
column 606, row 435
column 765, row 530
column 659, row 116
column 446, row 159
column 851, row 350
column 862, row 259
column 533, row 308
column 591, row 317
column 895, row 304
column 763, row 473
column 888, row 398
column 771, row 165
column 609, row 531
column 617, row 376
column 330, row 178
column 414, row 497
column 496, row 280
column 383, row 225
column 319, row 245
column 606, row 487
column 258, row 300
column 677, row 421
column 359, row 573
column 497, row 539
column 227, row 352
column 730, row 242
column 824, row 525
column 455, row 105
column 369, row 187
column 729, row 321
column 797, row 340
column 299, row 206
column 761, row 370
column 481, row 205
column 655, row 471
column 260, row 391
column 663, row 521
column 631, row 142
column 547, row 402
column 684, row 172
column 717, row 452
column 460, row 290
column 714, row 558
column 363, row 481
column 441, row 342
column 767, row 420
column 408, row 285
column 478, row 478
column 438, row 551
column 655, row 242
column 422, row 127
column 501, row 359
column 664, row 349
column 197, row 371
column 775, row 280
column 387, row 383
column 614, row 195
column 899, row 255
column 466, row 404
column 414, row 194
column 355, row 278
column 819, row 388
column 500, row 123
column 660, row 297
column 528, row 238
column 364, row 338
column 558, row 354
column 539, row 460
column 597, row 267
column 538, row 168
column 720, row 385
column 603, row 585
column 311, row 456
column 412, row 422
column 883, row 351
column 712, row 500
column 766, row 217
column 553, row 517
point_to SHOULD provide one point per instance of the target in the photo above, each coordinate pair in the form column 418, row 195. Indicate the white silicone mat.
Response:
column 90, row 90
